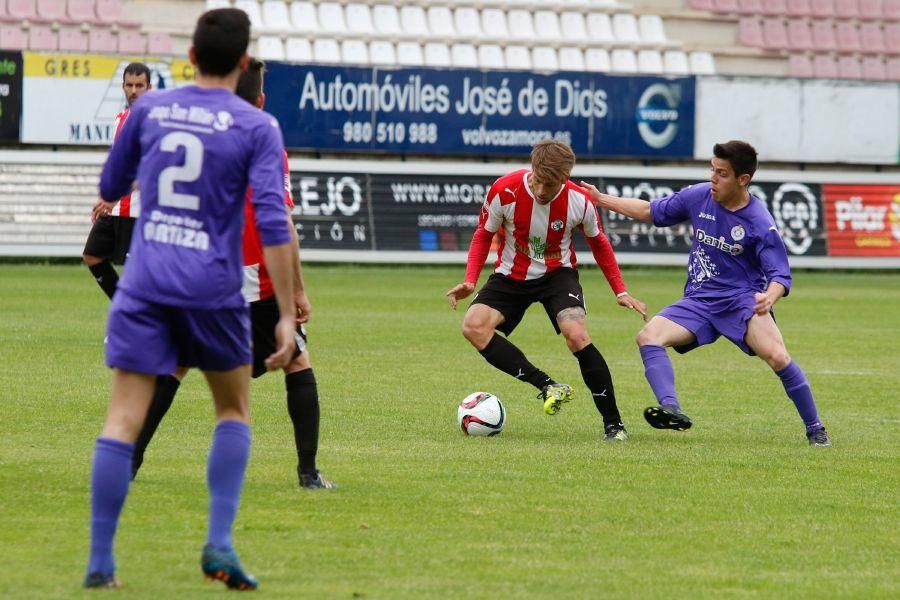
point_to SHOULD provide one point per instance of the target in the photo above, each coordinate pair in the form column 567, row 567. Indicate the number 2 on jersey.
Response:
column 187, row 172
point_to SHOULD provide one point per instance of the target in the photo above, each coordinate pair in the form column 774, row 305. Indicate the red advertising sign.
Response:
column 863, row 220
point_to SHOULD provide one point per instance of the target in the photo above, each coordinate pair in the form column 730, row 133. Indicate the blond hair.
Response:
column 552, row 159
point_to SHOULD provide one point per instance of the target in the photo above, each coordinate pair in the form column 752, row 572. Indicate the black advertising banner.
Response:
column 10, row 95
column 439, row 213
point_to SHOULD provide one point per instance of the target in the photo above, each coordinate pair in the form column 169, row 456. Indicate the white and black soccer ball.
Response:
column 481, row 413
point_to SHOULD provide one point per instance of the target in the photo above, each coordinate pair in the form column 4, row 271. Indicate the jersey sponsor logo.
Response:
column 557, row 225
column 537, row 249
column 738, row 233
column 719, row 243
column 704, row 215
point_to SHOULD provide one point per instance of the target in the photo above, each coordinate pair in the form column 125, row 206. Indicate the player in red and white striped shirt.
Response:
column 110, row 235
column 534, row 214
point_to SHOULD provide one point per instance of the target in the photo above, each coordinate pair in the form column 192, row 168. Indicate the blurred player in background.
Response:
column 110, row 234
column 196, row 149
column 299, row 380
column 737, row 271
column 535, row 213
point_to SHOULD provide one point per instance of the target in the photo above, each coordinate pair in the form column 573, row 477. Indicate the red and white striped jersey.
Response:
column 257, row 284
column 130, row 205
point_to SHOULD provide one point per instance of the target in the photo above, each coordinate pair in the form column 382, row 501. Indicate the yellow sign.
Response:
column 97, row 66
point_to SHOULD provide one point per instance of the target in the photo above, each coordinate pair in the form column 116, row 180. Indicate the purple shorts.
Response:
column 146, row 337
column 709, row 318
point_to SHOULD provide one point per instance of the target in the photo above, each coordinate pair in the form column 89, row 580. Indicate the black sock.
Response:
column 502, row 354
column 303, row 407
column 599, row 380
column 166, row 388
column 106, row 277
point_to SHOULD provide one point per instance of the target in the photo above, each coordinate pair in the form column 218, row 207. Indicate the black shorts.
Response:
column 110, row 238
column 557, row 291
column 264, row 316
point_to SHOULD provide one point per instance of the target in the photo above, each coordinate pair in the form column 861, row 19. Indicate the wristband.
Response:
column 620, row 294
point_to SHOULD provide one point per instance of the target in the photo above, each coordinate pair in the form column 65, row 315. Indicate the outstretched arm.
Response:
column 606, row 260
column 635, row 208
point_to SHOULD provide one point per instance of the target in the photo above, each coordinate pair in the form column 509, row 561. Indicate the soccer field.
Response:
column 738, row 506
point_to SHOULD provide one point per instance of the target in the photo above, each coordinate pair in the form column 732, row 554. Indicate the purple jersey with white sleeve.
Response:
column 733, row 252
column 194, row 151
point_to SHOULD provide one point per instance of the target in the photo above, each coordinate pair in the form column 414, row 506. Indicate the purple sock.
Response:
column 660, row 375
column 797, row 387
column 110, row 476
column 225, row 476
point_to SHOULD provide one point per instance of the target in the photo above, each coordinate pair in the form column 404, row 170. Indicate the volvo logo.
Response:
column 657, row 115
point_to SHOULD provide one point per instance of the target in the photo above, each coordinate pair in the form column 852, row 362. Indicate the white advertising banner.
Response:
column 73, row 99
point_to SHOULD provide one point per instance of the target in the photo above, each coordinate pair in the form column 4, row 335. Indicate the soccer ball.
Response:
column 481, row 413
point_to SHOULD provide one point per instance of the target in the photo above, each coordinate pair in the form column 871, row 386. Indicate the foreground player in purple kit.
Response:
column 738, row 269
column 194, row 151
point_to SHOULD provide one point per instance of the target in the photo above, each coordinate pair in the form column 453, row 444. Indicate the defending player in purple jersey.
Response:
column 194, row 152
column 737, row 270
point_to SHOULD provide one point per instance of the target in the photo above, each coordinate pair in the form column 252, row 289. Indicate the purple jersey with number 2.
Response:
column 194, row 152
column 734, row 253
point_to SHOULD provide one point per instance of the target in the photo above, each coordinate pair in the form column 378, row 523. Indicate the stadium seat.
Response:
column 726, row 6
column 13, row 37
column 891, row 10
column 799, row 8
column 159, row 42
column 822, row 8
column 303, row 17
column 275, row 15
column 82, row 11
column 547, row 26
column 846, row 9
column 849, row 68
column 799, row 35
column 326, row 50
column 382, row 53
column 573, row 27
column 468, row 25
column 892, row 38
column 750, row 7
column 893, row 69
column 824, row 66
column 652, row 30
column 131, row 41
column 517, row 57
column 521, row 26
column 251, row 7
column 705, row 5
column 543, row 58
column 464, row 55
column 873, row 69
column 750, row 32
column 650, row 61
column 597, row 60
column 872, row 38
column 440, row 22
column 213, row 4
column 359, row 19
column 871, row 9
column 55, row 11
column 571, row 59
column 110, row 13
column 101, row 39
column 799, row 65
column 823, row 36
column 270, row 47
column 625, row 28
column 331, row 18
column 600, row 29
column 774, row 8
column 410, row 54
column 623, row 61
column 490, row 56
column 702, row 63
column 774, row 34
column 73, row 39
column 675, row 62
column 354, row 52
column 412, row 19
column 386, row 20
column 24, row 10
column 493, row 24
column 847, row 36
column 298, row 50
column 437, row 55
column 42, row 37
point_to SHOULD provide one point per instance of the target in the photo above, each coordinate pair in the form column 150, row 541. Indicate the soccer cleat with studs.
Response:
column 667, row 416
column 615, row 432
column 554, row 395
column 315, row 482
column 101, row 581
column 223, row 565
column 819, row 437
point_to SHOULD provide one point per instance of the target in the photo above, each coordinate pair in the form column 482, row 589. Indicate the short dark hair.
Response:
column 137, row 68
column 220, row 39
column 250, row 84
column 741, row 155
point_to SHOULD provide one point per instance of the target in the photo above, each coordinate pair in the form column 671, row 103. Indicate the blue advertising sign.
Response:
column 455, row 111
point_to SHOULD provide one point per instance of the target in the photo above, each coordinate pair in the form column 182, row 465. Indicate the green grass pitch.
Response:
column 737, row 507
